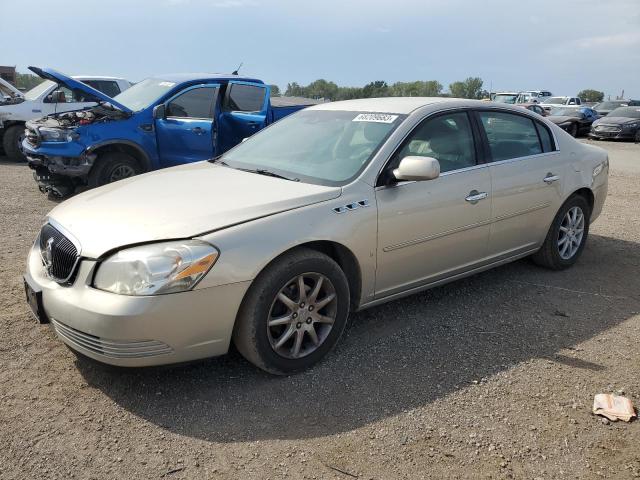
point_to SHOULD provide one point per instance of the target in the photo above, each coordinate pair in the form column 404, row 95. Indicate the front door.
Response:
column 244, row 112
column 433, row 229
column 187, row 134
column 527, row 178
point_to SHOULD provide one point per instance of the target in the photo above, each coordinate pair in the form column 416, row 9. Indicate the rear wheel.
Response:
column 567, row 235
column 11, row 142
column 294, row 313
column 638, row 136
column 111, row 167
column 573, row 130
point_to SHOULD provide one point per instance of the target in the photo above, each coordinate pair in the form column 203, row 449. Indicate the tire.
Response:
column 637, row 139
column 258, row 342
column 111, row 167
column 556, row 254
column 573, row 130
column 11, row 143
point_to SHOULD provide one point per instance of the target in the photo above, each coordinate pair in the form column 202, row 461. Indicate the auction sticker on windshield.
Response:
column 375, row 117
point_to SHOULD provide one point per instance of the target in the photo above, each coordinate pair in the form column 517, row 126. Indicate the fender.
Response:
column 146, row 161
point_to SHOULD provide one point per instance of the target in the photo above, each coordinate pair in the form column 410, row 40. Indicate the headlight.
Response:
column 631, row 126
column 599, row 168
column 56, row 135
column 156, row 268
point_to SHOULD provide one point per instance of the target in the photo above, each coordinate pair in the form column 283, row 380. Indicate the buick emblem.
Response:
column 47, row 255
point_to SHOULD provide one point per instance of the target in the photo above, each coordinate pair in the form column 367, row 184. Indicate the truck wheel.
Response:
column 111, row 167
column 294, row 312
column 11, row 142
column 573, row 130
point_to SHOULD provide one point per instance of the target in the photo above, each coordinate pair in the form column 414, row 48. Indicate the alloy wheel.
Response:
column 121, row 172
column 302, row 315
column 571, row 233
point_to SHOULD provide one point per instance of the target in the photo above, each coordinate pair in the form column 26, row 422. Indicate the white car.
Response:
column 45, row 99
column 9, row 93
column 533, row 96
column 550, row 102
column 335, row 208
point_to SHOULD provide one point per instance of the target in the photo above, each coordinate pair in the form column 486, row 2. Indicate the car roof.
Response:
column 190, row 77
column 399, row 105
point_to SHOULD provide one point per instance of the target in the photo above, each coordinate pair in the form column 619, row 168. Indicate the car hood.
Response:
column 9, row 90
column 73, row 84
column 558, row 119
column 178, row 202
column 616, row 120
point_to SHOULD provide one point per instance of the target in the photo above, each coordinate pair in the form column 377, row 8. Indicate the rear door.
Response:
column 244, row 112
column 187, row 133
column 527, row 178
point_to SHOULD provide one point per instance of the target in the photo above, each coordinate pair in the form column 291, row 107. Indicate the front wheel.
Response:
column 11, row 143
column 573, row 130
column 567, row 235
column 294, row 312
column 111, row 167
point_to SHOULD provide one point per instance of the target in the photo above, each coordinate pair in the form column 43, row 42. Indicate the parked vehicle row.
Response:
column 621, row 123
column 336, row 208
column 50, row 98
column 157, row 123
column 574, row 120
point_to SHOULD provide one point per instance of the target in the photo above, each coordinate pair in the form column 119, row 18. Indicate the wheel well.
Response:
column 124, row 148
column 347, row 262
column 587, row 195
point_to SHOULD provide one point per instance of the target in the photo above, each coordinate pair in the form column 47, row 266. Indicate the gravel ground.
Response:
column 488, row 377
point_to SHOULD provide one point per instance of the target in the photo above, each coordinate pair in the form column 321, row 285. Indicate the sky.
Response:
column 559, row 45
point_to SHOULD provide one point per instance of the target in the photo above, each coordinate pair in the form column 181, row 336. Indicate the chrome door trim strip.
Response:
column 409, row 243
column 507, row 216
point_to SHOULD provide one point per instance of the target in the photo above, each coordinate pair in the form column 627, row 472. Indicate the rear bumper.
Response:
column 133, row 331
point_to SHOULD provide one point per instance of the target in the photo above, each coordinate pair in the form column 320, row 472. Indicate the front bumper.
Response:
column 621, row 135
column 137, row 331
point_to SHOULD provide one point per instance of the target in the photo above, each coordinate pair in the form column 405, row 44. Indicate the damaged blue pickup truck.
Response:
column 157, row 123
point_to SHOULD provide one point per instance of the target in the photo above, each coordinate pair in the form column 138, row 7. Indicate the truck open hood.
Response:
column 8, row 90
column 178, row 202
column 73, row 84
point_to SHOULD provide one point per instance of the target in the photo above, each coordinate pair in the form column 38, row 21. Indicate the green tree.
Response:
column 275, row 90
column 379, row 88
column 294, row 90
column 430, row 88
column 469, row 88
column 590, row 95
column 26, row 81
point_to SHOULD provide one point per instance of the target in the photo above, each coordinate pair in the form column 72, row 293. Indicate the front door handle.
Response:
column 197, row 130
column 550, row 178
column 475, row 196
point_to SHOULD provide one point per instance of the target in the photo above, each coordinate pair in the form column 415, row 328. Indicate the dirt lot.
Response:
column 489, row 377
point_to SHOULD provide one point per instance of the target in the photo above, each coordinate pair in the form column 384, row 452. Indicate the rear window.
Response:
column 245, row 98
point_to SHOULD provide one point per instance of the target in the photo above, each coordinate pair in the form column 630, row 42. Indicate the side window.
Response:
column 108, row 87
column 510, row 135
column 545, row 138
column 245, row 98
column 447, row 138
column 196, row 103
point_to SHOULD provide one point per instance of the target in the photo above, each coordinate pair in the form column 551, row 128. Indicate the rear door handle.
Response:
column 550, row 178
column 197, row 130
column 475, row 196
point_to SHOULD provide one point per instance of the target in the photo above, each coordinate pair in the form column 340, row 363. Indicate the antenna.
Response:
column 235, row 72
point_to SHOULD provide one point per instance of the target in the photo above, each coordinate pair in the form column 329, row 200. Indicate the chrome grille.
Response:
column 59, row 254
column 110, row 348
column 608, row 128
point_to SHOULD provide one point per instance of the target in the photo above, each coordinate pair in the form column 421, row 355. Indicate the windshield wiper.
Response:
column 268, row 173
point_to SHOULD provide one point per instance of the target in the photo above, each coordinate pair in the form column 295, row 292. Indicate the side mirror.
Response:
column 159, row 112
column 417, row 169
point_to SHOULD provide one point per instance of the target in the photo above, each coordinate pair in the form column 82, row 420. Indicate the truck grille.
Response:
column 110, row 348
column 59, row 254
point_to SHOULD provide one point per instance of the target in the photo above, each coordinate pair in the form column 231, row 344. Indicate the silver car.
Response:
column 337, row 208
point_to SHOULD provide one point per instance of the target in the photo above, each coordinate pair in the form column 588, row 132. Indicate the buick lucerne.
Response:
column 333, row 209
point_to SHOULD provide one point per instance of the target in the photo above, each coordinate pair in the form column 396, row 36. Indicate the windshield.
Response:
column 317, row 146
column 629, row 112
column 566, row 112
column 555, row 100
column 609, row 105
column 505, row 98
column 143, row 94
column 38, row 90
